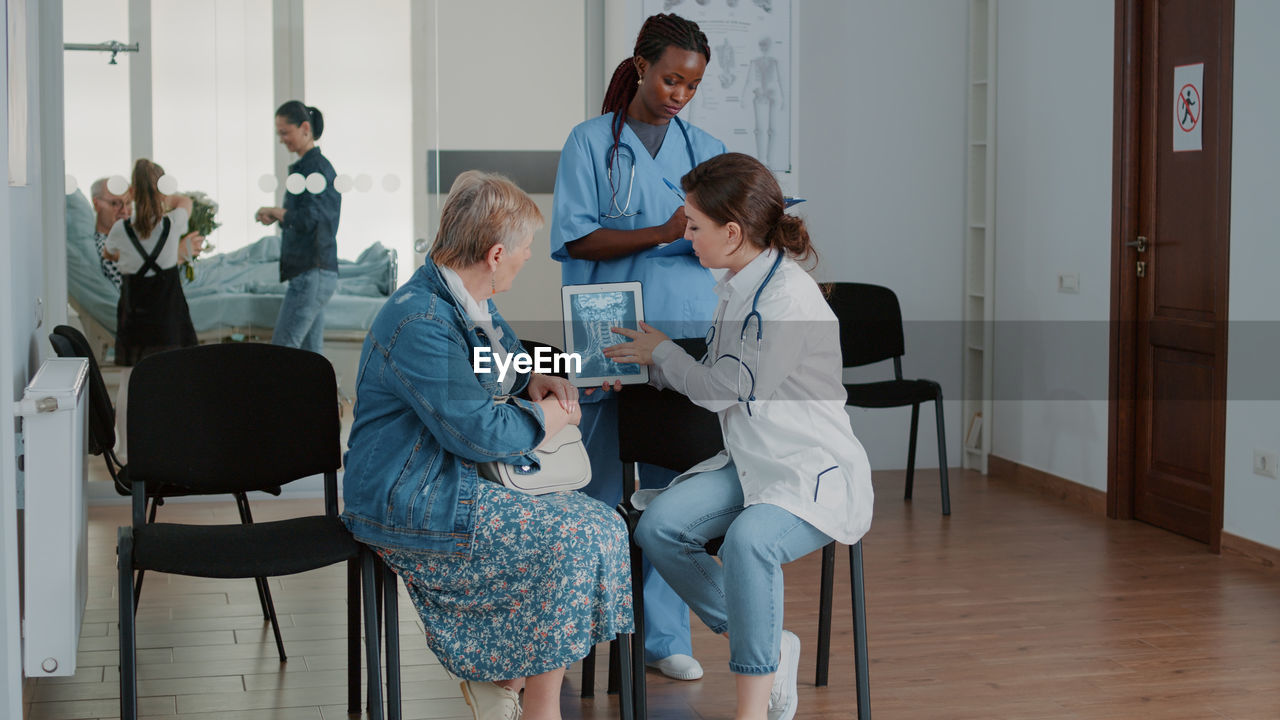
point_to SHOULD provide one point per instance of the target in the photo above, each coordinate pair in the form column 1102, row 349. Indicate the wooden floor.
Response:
column 1017, row 606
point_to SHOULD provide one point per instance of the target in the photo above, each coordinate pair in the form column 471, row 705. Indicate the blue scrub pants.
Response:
column 666, row 616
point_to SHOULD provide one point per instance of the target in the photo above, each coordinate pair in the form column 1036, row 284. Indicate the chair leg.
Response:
column 246, row 518
column 392, row 614
column 271, row 613
column 942, row 457
column 371, row 645
column 637, row 639
column 264, row 590
column 128, row 646
column 353, row 637
column 911, row 451
column 137, row 583
column 861, row 663
column 262, row 597
column 589, row 674
column 379, row 627
column 824, row 614
column 620, row 651
column 137, row 588
column 615, row 667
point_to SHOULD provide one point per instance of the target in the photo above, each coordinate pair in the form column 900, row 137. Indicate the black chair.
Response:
column 640, row 409
column 234, row 418
column 871, row 331
column 70, row 342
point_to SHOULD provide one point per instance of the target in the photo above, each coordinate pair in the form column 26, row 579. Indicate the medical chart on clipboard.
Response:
column 747, row 95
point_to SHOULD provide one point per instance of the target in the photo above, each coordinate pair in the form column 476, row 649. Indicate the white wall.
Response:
column 1053, row 215
column 881, row 161
column 1253, row 407
column 22, row 269
column 491, row 100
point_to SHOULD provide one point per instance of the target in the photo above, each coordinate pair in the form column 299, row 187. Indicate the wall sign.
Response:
column 1188, row 107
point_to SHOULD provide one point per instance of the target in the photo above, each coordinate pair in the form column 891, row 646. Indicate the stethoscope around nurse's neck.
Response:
column 614, row 155
column 742, row 338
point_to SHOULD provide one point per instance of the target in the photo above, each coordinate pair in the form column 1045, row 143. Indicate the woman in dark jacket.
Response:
column 309, row 224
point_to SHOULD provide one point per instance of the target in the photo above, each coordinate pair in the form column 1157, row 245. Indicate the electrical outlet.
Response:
column 1264, row 463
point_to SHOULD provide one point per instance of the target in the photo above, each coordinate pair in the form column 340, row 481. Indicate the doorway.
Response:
column 1170, row 217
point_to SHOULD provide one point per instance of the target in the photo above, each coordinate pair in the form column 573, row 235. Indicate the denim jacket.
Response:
column 309, row 231
column 424, row 418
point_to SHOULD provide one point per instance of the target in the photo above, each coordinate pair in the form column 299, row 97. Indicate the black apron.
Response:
column 152, row 315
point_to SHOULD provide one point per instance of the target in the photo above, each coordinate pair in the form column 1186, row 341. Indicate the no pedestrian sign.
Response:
column 1188, row 107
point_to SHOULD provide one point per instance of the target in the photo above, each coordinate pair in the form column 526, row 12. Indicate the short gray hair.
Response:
column 98, row 189
column 482, row 210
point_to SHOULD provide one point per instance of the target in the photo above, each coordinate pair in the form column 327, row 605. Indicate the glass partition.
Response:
column 503, row 96
column 96, row 93
column 358, row 76
column 212, row 120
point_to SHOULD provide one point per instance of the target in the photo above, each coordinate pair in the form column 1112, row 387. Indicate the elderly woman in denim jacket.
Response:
column 511, row 588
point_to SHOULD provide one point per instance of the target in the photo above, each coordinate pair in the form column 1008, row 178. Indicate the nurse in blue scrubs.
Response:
column 615, row 218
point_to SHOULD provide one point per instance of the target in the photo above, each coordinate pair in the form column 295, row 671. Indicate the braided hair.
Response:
column 658, row 32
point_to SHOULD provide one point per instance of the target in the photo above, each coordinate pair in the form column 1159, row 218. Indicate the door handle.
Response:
column 1140, row 244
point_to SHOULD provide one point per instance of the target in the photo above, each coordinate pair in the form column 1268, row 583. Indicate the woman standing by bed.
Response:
column 152, row 314
column 309, row 232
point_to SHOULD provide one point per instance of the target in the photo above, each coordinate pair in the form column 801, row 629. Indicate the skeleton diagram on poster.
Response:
column 745, row 96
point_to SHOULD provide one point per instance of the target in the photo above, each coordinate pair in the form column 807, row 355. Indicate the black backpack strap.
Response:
column 149, row 259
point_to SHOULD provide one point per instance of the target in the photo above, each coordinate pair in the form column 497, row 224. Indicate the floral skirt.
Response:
column 548, row 578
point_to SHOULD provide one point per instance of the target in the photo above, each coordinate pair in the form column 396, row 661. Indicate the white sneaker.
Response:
column 491, row 702
column 678, row 667
column 782, row 698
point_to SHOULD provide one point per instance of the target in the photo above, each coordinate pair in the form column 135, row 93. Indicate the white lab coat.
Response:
column 793, row 447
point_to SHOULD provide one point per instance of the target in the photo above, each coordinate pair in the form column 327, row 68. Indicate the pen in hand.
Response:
column 674, row 188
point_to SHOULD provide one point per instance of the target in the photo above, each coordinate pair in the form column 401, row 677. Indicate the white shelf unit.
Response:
column 979, row 237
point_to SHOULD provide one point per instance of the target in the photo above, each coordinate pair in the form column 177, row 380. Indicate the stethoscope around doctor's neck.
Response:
column 754, row 315
column 612, row 158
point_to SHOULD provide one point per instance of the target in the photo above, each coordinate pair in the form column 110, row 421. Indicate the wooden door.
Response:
column 1171, row 264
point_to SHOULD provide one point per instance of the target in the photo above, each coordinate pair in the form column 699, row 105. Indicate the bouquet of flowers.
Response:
column 204, row 220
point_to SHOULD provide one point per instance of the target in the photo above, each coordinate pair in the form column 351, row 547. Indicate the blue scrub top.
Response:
column 678, row 292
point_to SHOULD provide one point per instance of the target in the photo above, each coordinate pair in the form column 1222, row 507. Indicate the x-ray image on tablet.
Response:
column 589, row 313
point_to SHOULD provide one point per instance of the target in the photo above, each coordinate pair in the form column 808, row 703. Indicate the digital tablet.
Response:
column 589, row 313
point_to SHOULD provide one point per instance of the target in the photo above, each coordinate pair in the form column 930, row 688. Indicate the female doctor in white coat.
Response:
column 615, row 218
column 792, row 477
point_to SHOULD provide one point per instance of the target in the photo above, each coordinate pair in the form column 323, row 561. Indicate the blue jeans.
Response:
column 741, row 594
column 666, row 617
column 301, row 320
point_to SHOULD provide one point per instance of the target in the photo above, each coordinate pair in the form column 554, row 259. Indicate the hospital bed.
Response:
column 234, row 296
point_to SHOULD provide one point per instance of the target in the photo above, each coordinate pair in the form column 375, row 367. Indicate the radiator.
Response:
column 54, row 412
